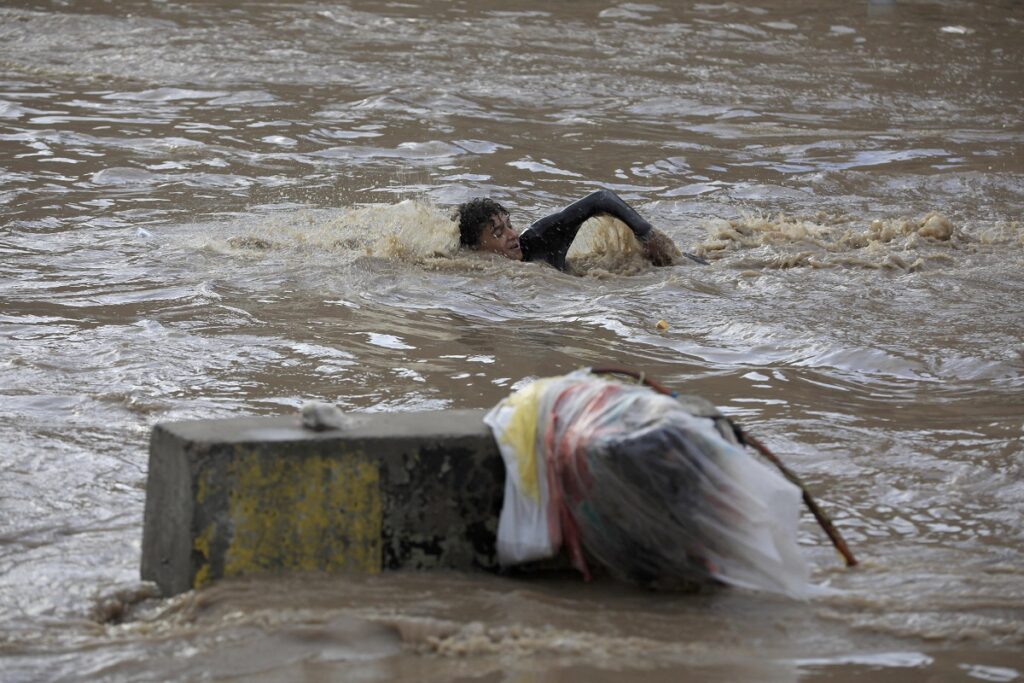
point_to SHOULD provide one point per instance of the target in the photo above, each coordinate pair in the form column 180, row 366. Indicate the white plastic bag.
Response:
column 633, row 481
column 524, row 534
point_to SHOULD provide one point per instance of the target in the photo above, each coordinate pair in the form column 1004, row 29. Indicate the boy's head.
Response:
column 484, row 225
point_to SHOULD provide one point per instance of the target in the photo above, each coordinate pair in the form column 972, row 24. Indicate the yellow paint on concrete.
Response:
column 201, row 489
column 201, row 544
column 303, row 513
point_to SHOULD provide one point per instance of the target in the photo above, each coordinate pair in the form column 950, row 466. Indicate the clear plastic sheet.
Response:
column 643, row 485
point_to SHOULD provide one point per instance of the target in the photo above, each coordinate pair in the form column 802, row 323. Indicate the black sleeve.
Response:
column 549, row 238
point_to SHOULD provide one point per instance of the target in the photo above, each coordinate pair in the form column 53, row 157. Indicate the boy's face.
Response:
column 499, row 237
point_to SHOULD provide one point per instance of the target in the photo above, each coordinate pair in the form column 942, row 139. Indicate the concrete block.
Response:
column 247, row 496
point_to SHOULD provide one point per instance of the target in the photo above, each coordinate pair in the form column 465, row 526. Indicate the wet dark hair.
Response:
column 473, row 216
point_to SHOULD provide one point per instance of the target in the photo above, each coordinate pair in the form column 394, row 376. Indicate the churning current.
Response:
column 229, row 208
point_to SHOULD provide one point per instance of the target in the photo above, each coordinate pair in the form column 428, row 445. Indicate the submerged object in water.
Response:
column 655, row 489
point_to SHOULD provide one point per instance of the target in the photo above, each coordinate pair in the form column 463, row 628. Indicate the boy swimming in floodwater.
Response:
column 484, row 226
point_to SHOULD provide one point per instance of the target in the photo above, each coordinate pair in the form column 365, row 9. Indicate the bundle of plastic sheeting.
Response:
column 648, row 486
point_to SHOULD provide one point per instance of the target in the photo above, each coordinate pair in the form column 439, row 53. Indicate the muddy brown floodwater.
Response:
column 227, row 208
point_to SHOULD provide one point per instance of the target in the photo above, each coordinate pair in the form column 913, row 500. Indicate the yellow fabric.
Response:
column 521, row 435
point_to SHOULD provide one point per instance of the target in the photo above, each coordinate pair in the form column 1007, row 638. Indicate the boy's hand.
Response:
column 659, row 248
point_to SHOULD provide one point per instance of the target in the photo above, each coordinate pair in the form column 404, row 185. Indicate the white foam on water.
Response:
column 906, row 244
